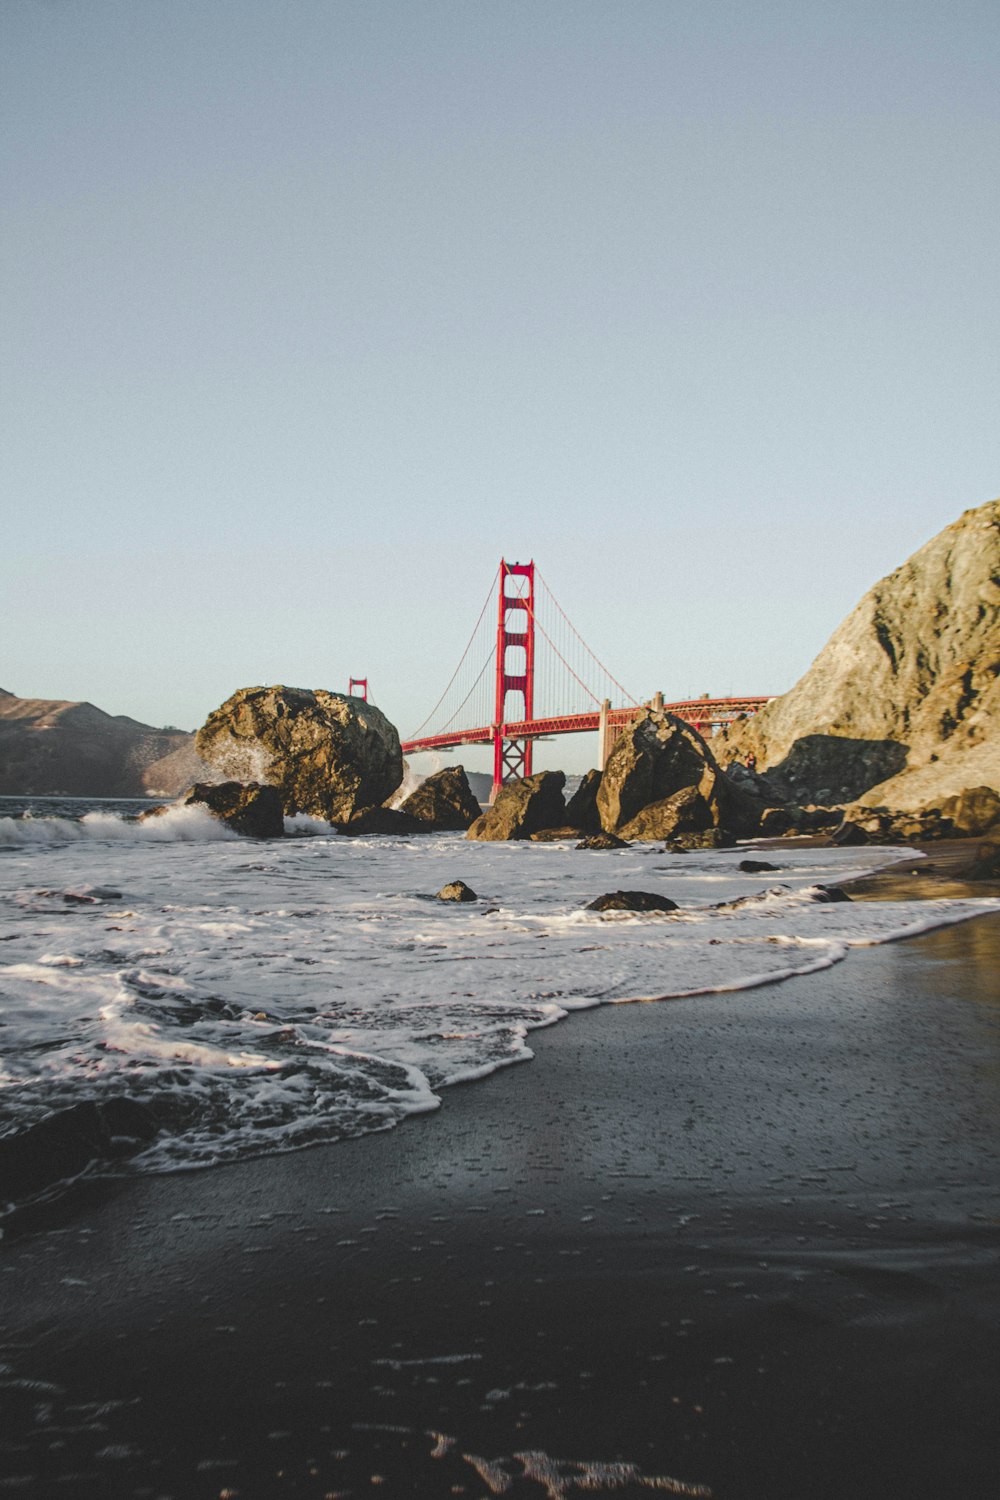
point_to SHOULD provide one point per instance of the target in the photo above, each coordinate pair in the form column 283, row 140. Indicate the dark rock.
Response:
column 849, row 834
column 986, row 865
column 657, row 756
column 64, row 1144
column 604, row 841
column 457, row 890
column 632, row 901
column 252, row 810
column 828, row 893
column 444, row 802
column 555, row 835
column 524, row 807
column 712, row 838
column 385, row 820
column 581, row 809
column 327, row 753
column 776, row 821
column 972, row 812
column 756, row 866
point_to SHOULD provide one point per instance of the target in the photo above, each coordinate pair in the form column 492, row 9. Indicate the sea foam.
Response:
column 263, row 996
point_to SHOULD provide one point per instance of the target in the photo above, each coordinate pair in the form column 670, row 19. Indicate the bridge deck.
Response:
column 703, row 713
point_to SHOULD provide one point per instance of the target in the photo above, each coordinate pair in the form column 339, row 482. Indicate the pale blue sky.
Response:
column 310, row 310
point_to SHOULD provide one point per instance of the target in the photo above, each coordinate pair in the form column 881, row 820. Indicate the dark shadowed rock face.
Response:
column 327, row 753
column 444, row 802
column 581, row 809
column 254, row 810
column 524, row 807
column 632, row 901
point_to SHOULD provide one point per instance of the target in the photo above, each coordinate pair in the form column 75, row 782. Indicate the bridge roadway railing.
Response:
column 703, row 713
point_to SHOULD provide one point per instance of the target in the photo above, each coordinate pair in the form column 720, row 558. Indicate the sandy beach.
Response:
column 743, row 1244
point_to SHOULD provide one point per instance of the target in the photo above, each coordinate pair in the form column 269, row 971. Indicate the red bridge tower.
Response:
column 512, row 758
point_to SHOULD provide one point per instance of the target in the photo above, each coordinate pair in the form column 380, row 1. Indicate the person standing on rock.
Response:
column 751, row 762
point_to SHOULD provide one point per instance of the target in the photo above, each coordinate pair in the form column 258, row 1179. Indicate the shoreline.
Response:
column 741, row 1242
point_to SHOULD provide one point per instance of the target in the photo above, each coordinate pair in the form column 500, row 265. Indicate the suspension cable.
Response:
column 486, row 664
column 416, row 733
column 583, row 643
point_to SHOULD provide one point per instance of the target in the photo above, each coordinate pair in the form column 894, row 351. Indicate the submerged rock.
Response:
column 632, row 901
column 64, row 1144
column 253, row 810
column 555, row 835
column 457, row 890
column 444, row 802
column 327, row 753
column 523, row 807
column 756, row 866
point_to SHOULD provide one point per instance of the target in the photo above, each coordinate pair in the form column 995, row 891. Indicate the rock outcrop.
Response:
column 457, row 890
column 901, row 706
column 253, row 810
column 55, row 747
column 444, row 802
column 327, row 753
column 523, row 807
column 661, row 778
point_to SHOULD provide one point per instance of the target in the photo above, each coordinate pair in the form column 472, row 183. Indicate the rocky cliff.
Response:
column 50, row 746
column 902, row 706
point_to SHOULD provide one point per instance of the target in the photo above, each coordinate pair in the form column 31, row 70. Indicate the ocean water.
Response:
column 260, row 997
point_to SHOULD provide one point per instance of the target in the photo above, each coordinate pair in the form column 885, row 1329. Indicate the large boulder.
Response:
column 253, row 810
column 444, row 802
column 523, row 807
column 901, row 705
column 327, row 753
column 655, row 758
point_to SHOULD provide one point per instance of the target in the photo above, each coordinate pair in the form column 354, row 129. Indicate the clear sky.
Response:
column 311, row 309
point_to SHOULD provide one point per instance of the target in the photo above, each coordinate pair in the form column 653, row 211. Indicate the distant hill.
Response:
column 50, row 747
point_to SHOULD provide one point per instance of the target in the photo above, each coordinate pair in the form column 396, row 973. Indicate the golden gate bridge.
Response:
column 527, row 674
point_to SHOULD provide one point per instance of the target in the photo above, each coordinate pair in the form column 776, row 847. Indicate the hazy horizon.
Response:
column 314, row 311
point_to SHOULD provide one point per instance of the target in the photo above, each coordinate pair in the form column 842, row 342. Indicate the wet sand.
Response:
column 745, row 1243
